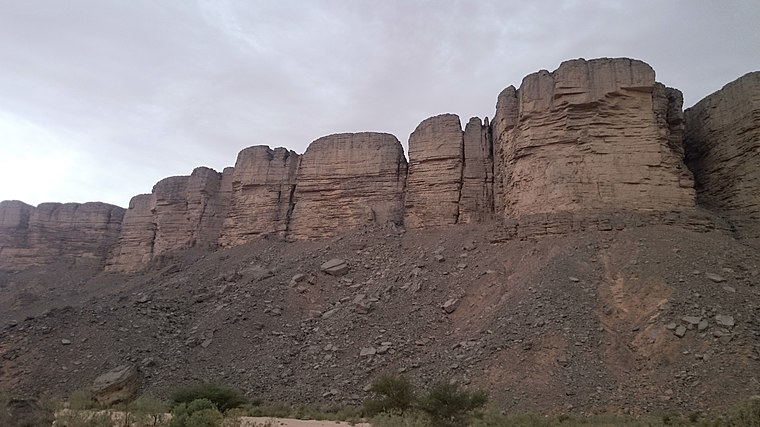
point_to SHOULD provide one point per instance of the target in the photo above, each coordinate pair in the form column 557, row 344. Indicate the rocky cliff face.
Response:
column 181, row 212
column 56, row 232
column 436, row 157
column 347, row 180
column 263, row 185
column 592, row 135
column 723, row 150
column 593, row 145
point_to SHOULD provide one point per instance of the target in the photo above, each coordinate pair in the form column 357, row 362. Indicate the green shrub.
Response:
column 147, row 410
column 411, row 418
column 224, row 398
column 392, row 394
column 745, row 414
column 448, row 405
column 198, row 413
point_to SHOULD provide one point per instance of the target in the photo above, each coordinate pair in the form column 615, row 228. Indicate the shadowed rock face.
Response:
column 52, row 232
column 263, row 183
column 723, row 150
column 592, row 135
column 347, row 180
column 476, row 200
column 181, row 212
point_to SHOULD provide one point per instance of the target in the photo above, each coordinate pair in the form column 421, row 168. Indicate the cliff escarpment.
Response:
column 594, row 145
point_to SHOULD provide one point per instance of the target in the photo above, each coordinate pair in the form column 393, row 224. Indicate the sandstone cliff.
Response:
column 347, row 180
column 723, row 150
column 595, row 144
column 592, row 135
column 181, row 212
column 436, row 157
column 56, row 232
column 263, row 183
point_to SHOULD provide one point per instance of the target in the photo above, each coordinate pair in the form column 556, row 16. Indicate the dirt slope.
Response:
column 586, row 321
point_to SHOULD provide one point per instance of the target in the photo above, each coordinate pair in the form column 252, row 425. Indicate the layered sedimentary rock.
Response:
column 505, row 119
column 50, row 232
column 263, row 185
column 347, row 180
column 723, row 150
column 592, row 135
column 436, row 167
column 476, row 199
column 181, row 212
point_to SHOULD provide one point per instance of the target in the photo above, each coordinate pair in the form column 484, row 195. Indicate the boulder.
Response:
column 335, row 267
column 117, row 385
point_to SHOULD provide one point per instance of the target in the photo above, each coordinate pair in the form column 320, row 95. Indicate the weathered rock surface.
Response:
column 476, row 199
column 592, row 135
column 263, row 184
column 82, row 233
column 723, row 151
column 181, row 212
column 436, row 166
column 117, row 385
column 347, row 180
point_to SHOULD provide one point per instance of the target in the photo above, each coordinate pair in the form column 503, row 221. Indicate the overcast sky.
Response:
column 99, row 99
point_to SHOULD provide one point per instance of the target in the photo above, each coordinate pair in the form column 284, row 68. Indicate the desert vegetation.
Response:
column 395, row 402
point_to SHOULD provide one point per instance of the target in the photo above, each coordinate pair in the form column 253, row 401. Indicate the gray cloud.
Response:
column 125, row 93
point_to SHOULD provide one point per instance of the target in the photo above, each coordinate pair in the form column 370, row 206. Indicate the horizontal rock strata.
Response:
column 592, row 135
column 593, row 145
column 723, row 150
column 347, row 180
column 57, row 232
column 436, row 165
column 263, row 185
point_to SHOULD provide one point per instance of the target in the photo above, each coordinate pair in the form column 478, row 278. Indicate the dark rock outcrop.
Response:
column 723, row 151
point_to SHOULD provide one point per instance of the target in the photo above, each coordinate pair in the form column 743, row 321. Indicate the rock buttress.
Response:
column 181, row 212
column 723, row 151
column 348, row 180
column 51, row 232
column 262, row 184
column 592, row 135
column 476, row 200
column 436, row 167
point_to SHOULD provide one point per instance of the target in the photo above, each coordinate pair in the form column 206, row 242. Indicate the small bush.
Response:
column 147, row 410
column 745, row 414
column 224, row 398
column 409, row 419
column 392, row 394
column 449, row 406
column 198, row 413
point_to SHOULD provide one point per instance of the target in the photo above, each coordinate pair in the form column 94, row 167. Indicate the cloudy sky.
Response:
column 99, row 99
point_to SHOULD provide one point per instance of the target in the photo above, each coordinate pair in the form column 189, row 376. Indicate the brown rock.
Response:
column 138, row 232
column 263, row 184
column 78, row 232
column 436, row 153
column 117, row 385
column 476, row 199
column 181, row 212
column 592, row 135
column 348, row 180
column 723, row 150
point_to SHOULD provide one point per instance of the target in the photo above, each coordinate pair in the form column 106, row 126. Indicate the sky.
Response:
column 100, row 99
